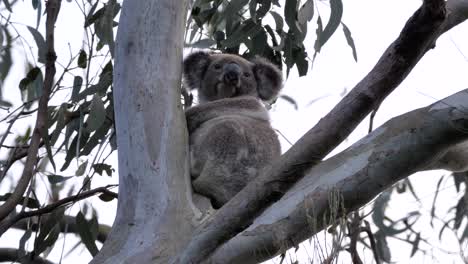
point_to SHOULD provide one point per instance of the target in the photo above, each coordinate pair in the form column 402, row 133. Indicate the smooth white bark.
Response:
column 154, row 214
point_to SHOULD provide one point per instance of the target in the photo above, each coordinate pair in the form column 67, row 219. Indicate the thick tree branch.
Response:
column 14, row 255
column 418, row 35
column 67, row 224
column 406, row 144
column 7, row 223
column 52, row 10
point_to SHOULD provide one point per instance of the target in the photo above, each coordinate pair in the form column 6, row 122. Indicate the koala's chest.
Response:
column 232, row 129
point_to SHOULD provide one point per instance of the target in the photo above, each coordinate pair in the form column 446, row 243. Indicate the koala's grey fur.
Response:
column 231, row 139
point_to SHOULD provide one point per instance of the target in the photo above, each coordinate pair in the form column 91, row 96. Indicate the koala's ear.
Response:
column 195, row 66
column 269, row 78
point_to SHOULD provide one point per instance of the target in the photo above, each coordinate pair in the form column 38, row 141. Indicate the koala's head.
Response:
column 218, row 76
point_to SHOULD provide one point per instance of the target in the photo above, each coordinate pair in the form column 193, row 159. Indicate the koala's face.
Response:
column 227, row 76
column 218, row 76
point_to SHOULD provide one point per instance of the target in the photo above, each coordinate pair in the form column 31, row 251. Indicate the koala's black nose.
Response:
column 231, row 73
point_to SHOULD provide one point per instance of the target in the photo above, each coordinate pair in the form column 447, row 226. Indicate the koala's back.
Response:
column 229, row 151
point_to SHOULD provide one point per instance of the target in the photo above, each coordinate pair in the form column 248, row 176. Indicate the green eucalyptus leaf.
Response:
column 97, row 114
column 81, row 169
column 84, row 229
column 306, row 12
column 349, row 40
column 82, row 59
column 248, row 29
column 40, row 42
column 334, row 21
column 102, row 167
column 278, row 21
column 91, row 17
column 105, row 197
column 290, row 12
column 54, row 178
column 31, row 85
column 49, row 231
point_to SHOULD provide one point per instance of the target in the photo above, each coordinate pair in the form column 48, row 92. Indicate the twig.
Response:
column 52, row 10
column 354, row 230
column 373, row 244
column 371, row 118
column 5, row 225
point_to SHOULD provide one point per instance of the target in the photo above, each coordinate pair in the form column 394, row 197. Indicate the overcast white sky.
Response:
column 374, row 24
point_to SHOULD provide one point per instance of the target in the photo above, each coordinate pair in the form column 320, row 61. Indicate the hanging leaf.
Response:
column 22, row 244
column 105, row 197
column 278, row 21
column 265, row 6
column 300, row 58
column 248, row 29
column 84, row 229
column 104, row 27
column 306, row 12
column 82, row 59
column 382, row 247
column 91, row 17
column 459, row 178
column 415, row 244
column 31, row 85
column 81, row 169
column 48, row 147
column 434, row 201
column 40, row 42
column 101, row 167
column 334, row 21
column 349, row 40
column 54, row 178
column 49, row 231
column 318, row 34
column 37, row 5
column 290, row 12
column 461, row 211
column 97, row 114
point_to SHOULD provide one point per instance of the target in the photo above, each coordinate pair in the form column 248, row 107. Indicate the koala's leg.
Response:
column 227, row 166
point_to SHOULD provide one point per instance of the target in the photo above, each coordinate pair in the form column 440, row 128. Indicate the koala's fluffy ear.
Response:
column 195, row 66
column 269, row 78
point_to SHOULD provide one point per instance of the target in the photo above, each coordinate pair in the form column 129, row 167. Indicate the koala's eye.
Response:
column 217, row 66
column 246, row 74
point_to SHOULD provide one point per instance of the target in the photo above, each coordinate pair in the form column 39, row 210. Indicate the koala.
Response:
column 230, row 136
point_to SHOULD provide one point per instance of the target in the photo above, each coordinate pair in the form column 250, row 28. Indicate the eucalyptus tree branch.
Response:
column 416, row 38
column 52, row 10
column 7, row 223
column 67, row 225
column 406, row 144
column 14, row 255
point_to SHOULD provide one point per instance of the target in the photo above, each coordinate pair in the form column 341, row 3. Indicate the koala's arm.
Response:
column 240, row 106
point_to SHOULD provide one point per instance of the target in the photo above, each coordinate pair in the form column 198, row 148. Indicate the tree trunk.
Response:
column 154, row 216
